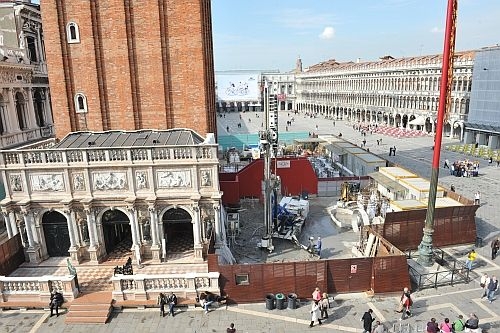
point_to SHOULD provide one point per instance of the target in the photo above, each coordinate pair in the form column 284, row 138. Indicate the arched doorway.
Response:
column 178, row 230
column 116, row 231
column 55, row 230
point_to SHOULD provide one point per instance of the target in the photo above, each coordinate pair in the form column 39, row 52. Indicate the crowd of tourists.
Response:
column 464, row 168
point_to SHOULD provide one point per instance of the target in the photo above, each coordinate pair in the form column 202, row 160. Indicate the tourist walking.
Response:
column 318, row 246
column 315, row 313
column 492, row 288
column 495, row 245
column 432, row 326
column 161, row 301
column 405, row 303
column 324, row 304
column 458, row 325
column 367, row 320
column 172, row 302
column 446, row 164
column 316, row 295
column 394, row 150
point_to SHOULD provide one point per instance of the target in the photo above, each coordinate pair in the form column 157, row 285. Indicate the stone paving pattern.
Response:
column 415, row 154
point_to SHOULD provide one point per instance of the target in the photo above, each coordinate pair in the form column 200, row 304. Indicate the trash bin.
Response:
column 270, row 301
column 292, row 301
column 280, row 301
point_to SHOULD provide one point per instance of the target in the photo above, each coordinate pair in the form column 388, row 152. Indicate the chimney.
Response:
column 358, row 60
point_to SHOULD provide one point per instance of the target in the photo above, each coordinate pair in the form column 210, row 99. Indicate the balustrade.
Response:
column 90, row 156
column 36, row 289
column 184, row 285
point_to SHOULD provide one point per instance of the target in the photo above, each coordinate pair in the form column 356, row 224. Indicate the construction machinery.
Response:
column 349, row 191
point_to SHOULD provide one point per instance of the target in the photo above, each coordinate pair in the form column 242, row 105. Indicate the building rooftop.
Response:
column 141, row 138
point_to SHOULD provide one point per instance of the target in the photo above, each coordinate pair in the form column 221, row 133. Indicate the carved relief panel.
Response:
column 141, row 179
column 104, row 181
column 47, row 182
column 173, row 178
column 16, row 184
column 78, row 180
column 206, row 177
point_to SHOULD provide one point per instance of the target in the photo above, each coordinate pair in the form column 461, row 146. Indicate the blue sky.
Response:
column 271, row 34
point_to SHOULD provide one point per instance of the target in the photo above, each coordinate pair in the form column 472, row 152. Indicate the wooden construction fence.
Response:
column 452, row 225
column 11, row 255
column 385, row 273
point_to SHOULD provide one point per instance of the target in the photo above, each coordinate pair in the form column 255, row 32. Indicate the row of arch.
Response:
column 20, row 103
column 116, row 230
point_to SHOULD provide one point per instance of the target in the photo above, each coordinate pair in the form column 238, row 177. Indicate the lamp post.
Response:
column 425, row 247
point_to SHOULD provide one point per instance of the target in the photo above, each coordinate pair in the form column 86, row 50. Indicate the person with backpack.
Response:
column 56, row 300
column 161, row 301
column 172, row 302
column 458, row 325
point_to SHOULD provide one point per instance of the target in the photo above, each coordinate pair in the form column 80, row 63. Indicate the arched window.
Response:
column 73, row 33
column 39, row 106
column 80, row 103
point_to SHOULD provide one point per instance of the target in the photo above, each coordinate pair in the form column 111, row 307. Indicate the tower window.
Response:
column 80, row 103
column 73, row 33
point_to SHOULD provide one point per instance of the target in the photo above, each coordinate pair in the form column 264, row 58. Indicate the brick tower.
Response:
column 130, row 64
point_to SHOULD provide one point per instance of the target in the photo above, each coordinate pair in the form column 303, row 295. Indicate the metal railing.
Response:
column 453, row 272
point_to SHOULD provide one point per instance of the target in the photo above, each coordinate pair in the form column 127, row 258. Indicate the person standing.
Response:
column 485, row 280
column 318, row 246
column 406, row 303
column 324, row 304
column 390, row 151
column 315, row 313
column 161, row 301
column 471, row 257
column 477, row 198
column 367, row 320
column 495, row 245
column 172, row 302
column 446, row 164
column 492, row 288
column 394, row 150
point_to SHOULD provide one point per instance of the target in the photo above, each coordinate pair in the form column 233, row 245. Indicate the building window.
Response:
column 73, row 33
column 32, row 53
column 38, row 104
column 80, row 103
column 242, row 279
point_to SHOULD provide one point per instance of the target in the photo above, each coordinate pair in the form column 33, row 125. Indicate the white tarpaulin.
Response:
column 419, row 121
column 237, row 87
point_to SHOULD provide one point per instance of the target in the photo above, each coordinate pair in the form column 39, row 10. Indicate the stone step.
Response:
column 89, row 313
column 86, row 320
column 90, row 307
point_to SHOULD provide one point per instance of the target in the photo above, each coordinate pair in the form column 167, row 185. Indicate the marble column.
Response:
column 13, row 224
column 33, row 250
column 155, row 235
column 218, row 227
column 93, row 238
column 136, row 242
column 13, row 120
column 31, row 123
column 198, row 247
column 8, row 225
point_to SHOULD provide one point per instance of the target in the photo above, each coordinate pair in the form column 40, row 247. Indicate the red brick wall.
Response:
column 141, row 64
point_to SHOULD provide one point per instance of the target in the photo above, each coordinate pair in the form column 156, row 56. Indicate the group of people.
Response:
column 163, row 300
column 459, row 325
column 464, row 168
column 320, row 306
column 489, row 285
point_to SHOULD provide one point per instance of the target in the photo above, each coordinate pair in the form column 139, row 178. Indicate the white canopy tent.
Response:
column 419, row 121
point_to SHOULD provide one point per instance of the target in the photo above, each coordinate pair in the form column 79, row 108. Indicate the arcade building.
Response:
column 94, row 193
